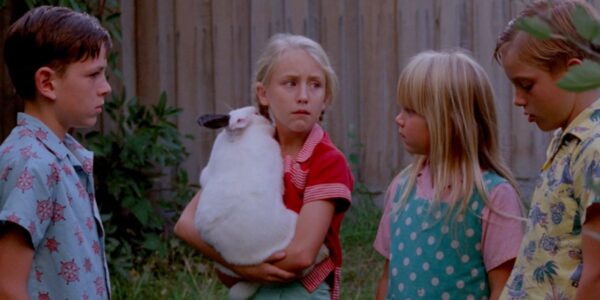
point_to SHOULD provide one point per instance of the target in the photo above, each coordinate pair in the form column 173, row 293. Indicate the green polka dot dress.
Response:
column 435, row 257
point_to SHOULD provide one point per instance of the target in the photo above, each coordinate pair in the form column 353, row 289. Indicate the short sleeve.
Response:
column 586, row 176
column 25, row 195
column 329, row 178
column 382, row 239
column 502, row 226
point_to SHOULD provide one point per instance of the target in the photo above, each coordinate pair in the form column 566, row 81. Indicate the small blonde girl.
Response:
column 451, row 227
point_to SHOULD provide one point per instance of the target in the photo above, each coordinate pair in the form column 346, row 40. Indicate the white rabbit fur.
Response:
column 241, row 211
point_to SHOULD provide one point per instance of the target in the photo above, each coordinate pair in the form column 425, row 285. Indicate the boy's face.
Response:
column 80, row 92
column 544, row 103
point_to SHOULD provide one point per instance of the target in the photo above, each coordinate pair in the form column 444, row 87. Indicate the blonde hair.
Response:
column 281, row 43
column 550, row 54
column 453, row 93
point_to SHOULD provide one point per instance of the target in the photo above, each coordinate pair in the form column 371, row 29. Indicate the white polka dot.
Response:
column 421, row 292
column 460, row 218
column 408, row 221
column 470, row 232
column 425, row 266
column 464, row 258
column 475, row 205
column 449, row 270
column 439, row 255
column 445, row 296
column 419, row 251
column 478, row 246
column 482, row 286
column 396, row 219
column 424, row 225
column 454, row 244
column 474, row 272
column 460, row 284
column 431, row 240
column 413, row 236
column 394, row 271
column 406, row 207
column 419, row 210
column 445, row 229
column 470, row 297
column 435, row 281
column 398, row 232
column 412, row 276
column 438, row 214
column 401, row 287
column 401, row 246
column 406, row 261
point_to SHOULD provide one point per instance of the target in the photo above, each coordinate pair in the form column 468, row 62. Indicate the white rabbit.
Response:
column 241, row 211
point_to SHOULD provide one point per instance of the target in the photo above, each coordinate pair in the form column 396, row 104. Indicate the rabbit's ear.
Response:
column 213, row 121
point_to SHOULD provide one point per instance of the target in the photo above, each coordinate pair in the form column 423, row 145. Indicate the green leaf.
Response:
column 141, row 210
column 151, row 242
column 585, row 24
column 535, row 26
column 583, row 77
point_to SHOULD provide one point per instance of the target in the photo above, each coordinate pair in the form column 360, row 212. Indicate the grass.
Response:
column 184, row 274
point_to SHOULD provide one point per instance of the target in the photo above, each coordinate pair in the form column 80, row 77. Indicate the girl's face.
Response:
column 296, row 94
column 544, row 103
column 413, row 131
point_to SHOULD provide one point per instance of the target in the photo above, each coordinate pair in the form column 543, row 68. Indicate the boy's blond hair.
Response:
column 551, row 54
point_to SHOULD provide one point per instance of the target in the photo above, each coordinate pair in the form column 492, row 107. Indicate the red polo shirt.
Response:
column 320, row 172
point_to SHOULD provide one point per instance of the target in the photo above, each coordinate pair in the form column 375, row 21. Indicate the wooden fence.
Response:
column 202, row 53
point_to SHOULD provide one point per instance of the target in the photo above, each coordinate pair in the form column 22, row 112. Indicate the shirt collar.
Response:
column 313, row 139
column 33, row 127
column 580, row 128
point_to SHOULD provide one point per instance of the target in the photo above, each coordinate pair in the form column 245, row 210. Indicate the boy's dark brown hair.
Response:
column 53, row 37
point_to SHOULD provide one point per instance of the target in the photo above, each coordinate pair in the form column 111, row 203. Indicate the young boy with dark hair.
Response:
column 51, row 235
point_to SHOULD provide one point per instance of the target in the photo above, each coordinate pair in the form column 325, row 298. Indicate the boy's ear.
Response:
column 44, row 82
column 261, row 93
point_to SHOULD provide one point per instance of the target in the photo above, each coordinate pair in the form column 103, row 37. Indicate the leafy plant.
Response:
column 132, row 162
column 585, row 76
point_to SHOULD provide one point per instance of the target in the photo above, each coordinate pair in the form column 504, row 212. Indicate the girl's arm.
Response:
column 383, row 282
column 312, row 226
column 265, row 272
column 16, row 257
column 497, row 278
column 590, row 246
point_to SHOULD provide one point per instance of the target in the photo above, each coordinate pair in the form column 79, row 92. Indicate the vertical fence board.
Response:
column 376, row 56
column 194, row 84
column 339, row 25
column 231, row 55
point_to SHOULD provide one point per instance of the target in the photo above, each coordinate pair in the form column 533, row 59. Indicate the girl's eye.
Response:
column 408, row 110
column 290, row 83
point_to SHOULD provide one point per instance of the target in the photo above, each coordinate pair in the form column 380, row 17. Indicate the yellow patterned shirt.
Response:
column 549, row 262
